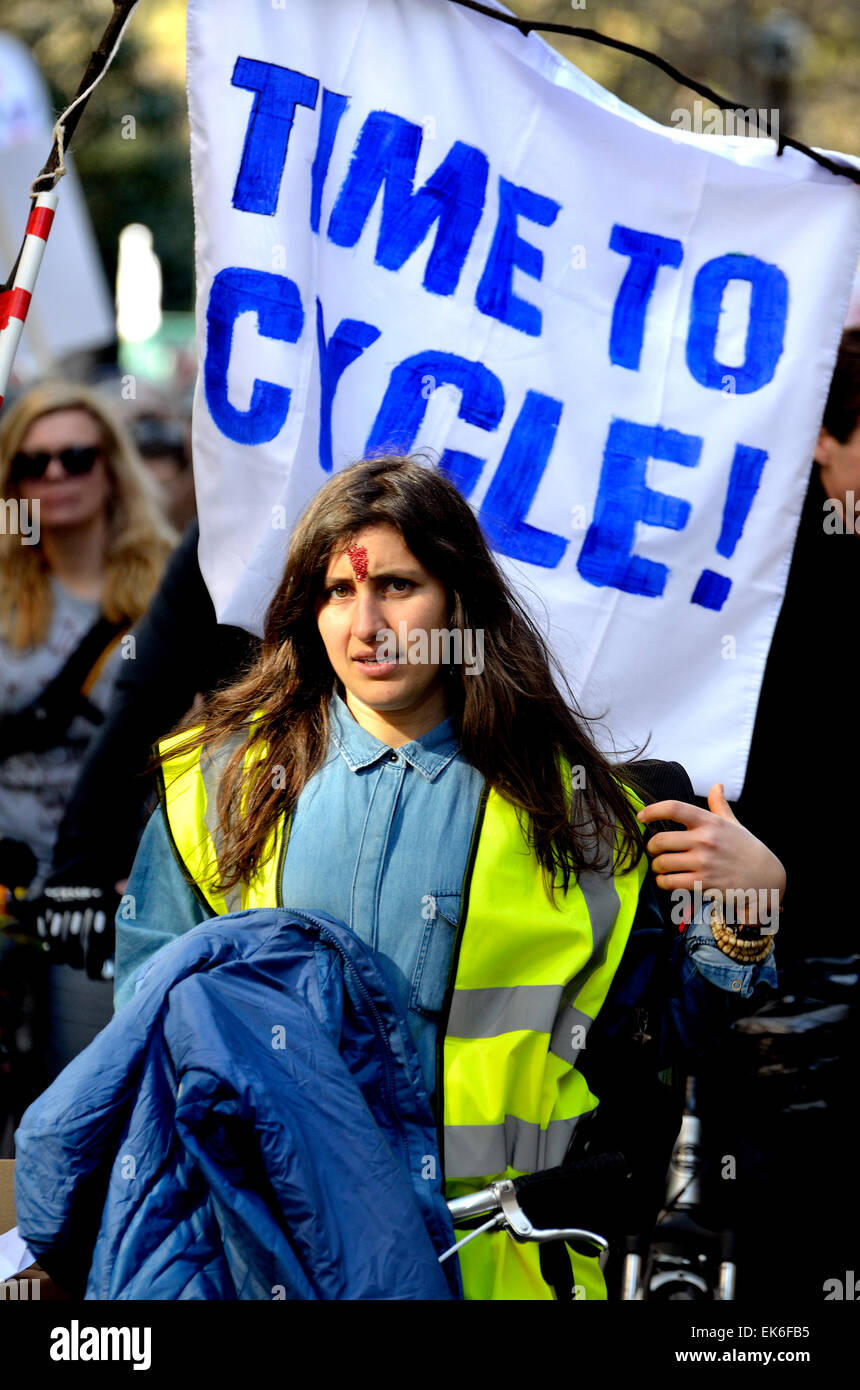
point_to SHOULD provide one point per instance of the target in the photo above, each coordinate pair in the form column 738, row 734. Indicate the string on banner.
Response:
column 527, row 26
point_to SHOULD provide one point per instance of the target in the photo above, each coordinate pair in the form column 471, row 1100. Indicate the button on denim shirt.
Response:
column 379, row 839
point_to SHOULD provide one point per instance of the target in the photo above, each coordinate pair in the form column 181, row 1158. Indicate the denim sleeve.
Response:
column 163, row 904
column 718, row 968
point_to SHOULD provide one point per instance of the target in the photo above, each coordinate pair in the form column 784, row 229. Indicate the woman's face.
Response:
column 379, row 599
column 65, row 501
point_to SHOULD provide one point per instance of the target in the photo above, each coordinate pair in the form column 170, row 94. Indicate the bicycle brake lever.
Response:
column 522, row 1229
column 500, row 1198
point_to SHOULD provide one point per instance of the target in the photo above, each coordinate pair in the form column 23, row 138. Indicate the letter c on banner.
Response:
column 404, row 406
column 277, row 303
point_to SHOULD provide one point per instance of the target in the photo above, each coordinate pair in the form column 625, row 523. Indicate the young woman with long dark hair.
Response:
column 455, row 814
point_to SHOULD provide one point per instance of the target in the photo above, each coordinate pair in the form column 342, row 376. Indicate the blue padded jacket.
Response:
column 253, row 1124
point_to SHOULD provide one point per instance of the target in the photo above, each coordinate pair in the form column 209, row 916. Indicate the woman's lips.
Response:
column 377, row 667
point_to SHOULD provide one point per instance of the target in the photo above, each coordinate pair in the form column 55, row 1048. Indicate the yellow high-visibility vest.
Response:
column 528, row 978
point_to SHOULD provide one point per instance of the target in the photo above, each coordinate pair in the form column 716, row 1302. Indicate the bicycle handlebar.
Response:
column 542, row 1206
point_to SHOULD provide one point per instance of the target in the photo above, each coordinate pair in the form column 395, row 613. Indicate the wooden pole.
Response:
column 122, row 11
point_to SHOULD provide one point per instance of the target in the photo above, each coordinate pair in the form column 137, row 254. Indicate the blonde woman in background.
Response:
column 82, row 550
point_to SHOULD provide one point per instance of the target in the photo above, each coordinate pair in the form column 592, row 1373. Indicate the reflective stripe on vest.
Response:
column 529, row 977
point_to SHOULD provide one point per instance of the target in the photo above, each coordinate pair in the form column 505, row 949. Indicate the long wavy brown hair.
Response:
column 511, row 720
column 138, row 541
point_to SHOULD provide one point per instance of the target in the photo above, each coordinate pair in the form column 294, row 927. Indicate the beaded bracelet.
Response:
column 747, row 951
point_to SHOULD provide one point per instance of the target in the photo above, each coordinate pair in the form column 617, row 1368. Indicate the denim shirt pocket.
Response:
column 440, row 912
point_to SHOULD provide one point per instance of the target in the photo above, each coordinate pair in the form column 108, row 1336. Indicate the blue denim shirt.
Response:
column 380, row 839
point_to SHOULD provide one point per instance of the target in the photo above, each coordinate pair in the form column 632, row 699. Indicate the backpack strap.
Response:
column 43, row 723
column 640, row 1113
column 659, row 781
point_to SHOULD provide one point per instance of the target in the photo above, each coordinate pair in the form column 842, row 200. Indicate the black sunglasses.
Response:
column 76, row 459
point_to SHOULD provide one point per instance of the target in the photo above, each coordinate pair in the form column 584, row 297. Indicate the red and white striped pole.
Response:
column 15, row 301
column 15, row 297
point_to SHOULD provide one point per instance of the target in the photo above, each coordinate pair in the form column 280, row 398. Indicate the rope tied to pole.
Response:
column 55, row 166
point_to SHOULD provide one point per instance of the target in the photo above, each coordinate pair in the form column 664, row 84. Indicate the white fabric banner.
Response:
column 417, row 228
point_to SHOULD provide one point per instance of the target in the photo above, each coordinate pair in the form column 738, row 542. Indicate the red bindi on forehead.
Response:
column 358, row 559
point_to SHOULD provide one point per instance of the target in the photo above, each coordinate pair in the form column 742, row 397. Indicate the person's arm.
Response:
column 158, row 906
column 699, row 868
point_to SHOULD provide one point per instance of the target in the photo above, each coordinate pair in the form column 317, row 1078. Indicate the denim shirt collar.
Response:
column 428, row 754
